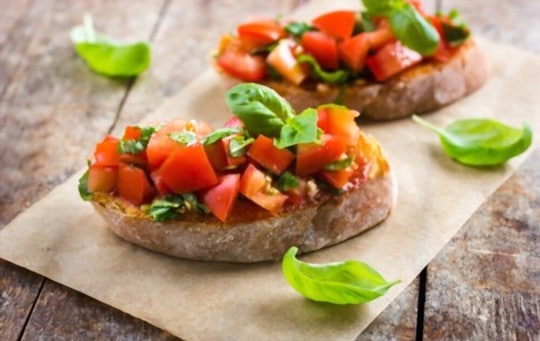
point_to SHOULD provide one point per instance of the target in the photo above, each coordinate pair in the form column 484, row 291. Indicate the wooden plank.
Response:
column 19, row 290
column 486, row 280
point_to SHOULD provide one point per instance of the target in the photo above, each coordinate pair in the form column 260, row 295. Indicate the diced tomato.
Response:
column 102, row 179
column 219, row 157
column 133, row 185
column 161, row 145
column 221, row 198
column 392, row 59
column 353, row 51
column 132, row 133
column 339, row 24
column 284, row 62
column 255, row 187
column 234, row 122
column 339, row 121
column 380, row 37
column 313, row 157
column 337, row 178
column 444, row 52
column 159, row 183
column 135, row 159
column 106, row 153
column 242, row 65
column 269, row 156
column 261, row 32
column 188, row 169
column 322, row 47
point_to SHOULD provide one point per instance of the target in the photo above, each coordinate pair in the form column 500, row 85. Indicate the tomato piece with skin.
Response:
column 159, row 183
column 380, row 37
column 313, row 157
column 133, row 185
column 339, row 24
column 339, row 121
column 263, row 152
column 353, row 51
column 234, row 122
column 444, row 52
column 218, row 154
column 221, row 198
column 106, row 153
column 261, row 32
column 188, row 169
column 132, row 133
column 337, row 178
column 242, row 65
column 322, row 47
column 392, row 59
column 255, row 186
column 102, row 179
column 283, row 60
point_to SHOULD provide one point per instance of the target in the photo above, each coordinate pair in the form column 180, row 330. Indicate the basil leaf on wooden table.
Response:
column 481, row 142
column 107, row 56
column 349, row 282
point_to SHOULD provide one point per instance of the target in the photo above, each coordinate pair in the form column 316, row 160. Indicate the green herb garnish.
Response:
column 349, row 282
column 481, row 142
column 106, row 56
column 336, row 77
column 455, row 32
column 265, row 112
column 187, row 138
column 83, row 186
column 287, row 181
column 340, row 164
column 238, row 145
column 219, row 134
column 409, row 26
column 297, row 29
column 136, row 146
column 172, row 206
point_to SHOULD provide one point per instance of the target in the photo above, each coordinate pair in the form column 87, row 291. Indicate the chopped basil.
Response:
column 238, row 145
column 136, row 146
column 187, row 138
column 298, row 129
column 339, row 164
column 172, row 206
column 297, row 29
column 219, row 134
column 455, row 32
column 106, row 56
column 348, row 282
column 287, row 181
column 481, row 142
column 83, row 186
column 335, row 77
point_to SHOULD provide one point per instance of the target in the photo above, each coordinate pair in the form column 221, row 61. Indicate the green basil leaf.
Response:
column 238, row 145
column 187, row 138
column 287, row 181
column 349, row 282
column 173, row 206
column 262, row 109
column 219, row 134
column 378, row 6
column 481, row 142
column 83, row 186
column 136, row 146
column 298, row 129
column 108, row 57
column 368, row 23
column 297, row 29
column 335, row 77
column 413, row 30
column 340, row 164
column 455, row 32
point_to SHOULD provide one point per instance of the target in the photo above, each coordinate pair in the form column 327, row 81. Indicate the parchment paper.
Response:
column 61, row 238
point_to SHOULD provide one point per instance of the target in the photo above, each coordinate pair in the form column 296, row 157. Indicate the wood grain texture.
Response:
column 486, row 279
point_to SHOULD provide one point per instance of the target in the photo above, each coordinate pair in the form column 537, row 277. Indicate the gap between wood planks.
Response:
column 421, row 304
column 153, row 33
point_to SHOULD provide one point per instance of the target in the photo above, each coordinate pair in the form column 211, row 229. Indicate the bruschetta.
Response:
column 269, row 179
column 389, row 61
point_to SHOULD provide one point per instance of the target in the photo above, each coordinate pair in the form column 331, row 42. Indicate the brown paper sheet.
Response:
column 61, row 238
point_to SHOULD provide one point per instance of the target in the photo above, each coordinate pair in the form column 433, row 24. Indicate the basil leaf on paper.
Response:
column 349, row 282
column 106, row 56
column 481, row 142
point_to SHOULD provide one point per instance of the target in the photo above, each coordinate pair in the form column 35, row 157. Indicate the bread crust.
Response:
column 309, row 228
column 419, row 89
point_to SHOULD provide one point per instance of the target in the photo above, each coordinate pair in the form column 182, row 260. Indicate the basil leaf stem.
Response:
column 335, row 77
column 481, row 142
column 107, row 56
column 349, row 282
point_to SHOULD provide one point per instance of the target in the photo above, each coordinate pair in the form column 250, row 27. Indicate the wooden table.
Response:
column 482, row 285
